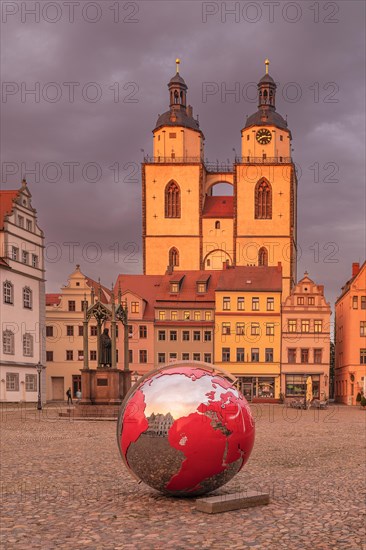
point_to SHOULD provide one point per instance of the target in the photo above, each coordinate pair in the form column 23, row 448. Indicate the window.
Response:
column 255, row 355
column 304, row 355
column 130, row 331
column 34, row 260
column 241, row 303
column 268, row 355
column 201, row 288
column 270, row 304
column 362, row 328
column 295, row 385
column 93, row 355
column 311, row 301
column 20, row 221
column 93, row 330
column 116, row 329
column 263, row 200
column 240, row 329
column 69, row 355
column 69, row 330
column 161, row 315
column 269, row 329
column 27, row 297
column 185, row 356
column 196, row 357
column 14, row 253
column 197, row 315
column 135, row 307
column 318, row 325
column 130, row 356
column 71, row 305
column 80, row 355
column 161, row 335
column 355, row 302
column 291, row 355
column 254, row 329
column 174, row 315
column 186, row 315
column 207, row 357
column 143, row 331
column 28, row 345
column 300, row 301
column 12, row 381
column 263, row 257
column 226, row 303
column 8, row 292
column 172, row 200
column 217, row 225
column 172, row 135
column 291, row 325
column 225, row 355
column 49, row 356
column 196, row 335
column 174, row 288
column 207, row 335
column 255, row 304
column 363, row 302
column 317, row 356
column 174, row 259
column 281, row 138
column 29, row 225
column 81, row 330
column 185, row 335
column 240, row 355
column 207, row 315
column 226, row 328
column 25, row 256
column 173, row 335
column 161, row 357
column 8, row 342
column 362, row 356
column 143, row 356
column 305, row 325
column 173, row 356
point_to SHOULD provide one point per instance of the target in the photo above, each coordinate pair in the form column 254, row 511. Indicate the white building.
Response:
column 22, row 289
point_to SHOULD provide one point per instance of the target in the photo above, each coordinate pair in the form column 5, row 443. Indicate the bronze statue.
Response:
column 105, row 349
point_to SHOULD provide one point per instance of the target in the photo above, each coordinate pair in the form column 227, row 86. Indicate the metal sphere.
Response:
column 185, row 430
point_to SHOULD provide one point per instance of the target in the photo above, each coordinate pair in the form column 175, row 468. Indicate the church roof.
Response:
column 272, row 119
column 177, row 79
column 177, row 118
column 218, row 207
column 6, row 204
column 266, row 78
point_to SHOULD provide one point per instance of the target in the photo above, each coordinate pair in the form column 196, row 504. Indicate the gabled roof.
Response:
column 218, row 207
column 249, row 278
column 105, row 294
column 6, row 204
column 347, row 286
column 188, row 294
column 53, row 299
column 142, row 286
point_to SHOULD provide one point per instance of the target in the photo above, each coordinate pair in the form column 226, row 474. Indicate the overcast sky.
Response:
column 126, row 57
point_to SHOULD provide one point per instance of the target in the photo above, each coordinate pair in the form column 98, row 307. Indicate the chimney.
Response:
column 169, row 270
column 355, row 269
column 321, row 288
column 279, row 266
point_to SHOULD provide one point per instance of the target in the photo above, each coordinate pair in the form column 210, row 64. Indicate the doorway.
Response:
column 58, row 388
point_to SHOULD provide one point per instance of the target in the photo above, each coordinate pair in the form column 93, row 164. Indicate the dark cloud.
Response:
column 323, row 59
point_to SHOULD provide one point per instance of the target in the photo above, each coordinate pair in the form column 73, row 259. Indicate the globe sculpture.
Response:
column 185, row 430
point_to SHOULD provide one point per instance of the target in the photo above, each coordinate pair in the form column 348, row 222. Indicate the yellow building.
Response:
column 64, row 334
column 187, row 225
column 248, row 328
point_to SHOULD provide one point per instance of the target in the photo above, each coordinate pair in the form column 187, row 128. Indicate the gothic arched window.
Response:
column 8, row 292
column 172, row 200
column 173, row 257
column 263, row 200
column 263, row 256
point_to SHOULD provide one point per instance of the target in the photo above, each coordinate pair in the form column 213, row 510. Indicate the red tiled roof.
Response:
column 106, row 293
column 251, row 278
column 188, row 294
column 6, row 204
column 53, row 299
column 218, row 207
column 144, row 286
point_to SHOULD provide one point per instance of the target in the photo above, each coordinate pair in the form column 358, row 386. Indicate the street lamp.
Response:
column 39, row 368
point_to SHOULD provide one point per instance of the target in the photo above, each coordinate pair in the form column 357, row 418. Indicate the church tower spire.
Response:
column 267, row 91
column 177, row 90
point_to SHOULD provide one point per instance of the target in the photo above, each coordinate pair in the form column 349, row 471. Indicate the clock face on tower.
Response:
column 263, row 136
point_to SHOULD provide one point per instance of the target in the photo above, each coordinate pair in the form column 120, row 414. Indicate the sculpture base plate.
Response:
column 232, row 501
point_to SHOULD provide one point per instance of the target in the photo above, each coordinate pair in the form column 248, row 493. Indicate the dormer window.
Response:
column 174, row 288
column 201, row 287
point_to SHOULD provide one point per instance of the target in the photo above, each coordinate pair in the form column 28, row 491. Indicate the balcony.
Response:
column 213, row 167
column 263, row 160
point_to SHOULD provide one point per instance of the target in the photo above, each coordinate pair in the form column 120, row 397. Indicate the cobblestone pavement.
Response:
column 65, row 486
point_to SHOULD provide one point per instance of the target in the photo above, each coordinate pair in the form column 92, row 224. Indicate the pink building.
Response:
column 350, row 345
column 305, row 340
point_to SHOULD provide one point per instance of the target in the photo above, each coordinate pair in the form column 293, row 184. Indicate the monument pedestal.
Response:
column 104, row 386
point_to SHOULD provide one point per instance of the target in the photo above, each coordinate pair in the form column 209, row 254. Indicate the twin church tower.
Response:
column 186, row 225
